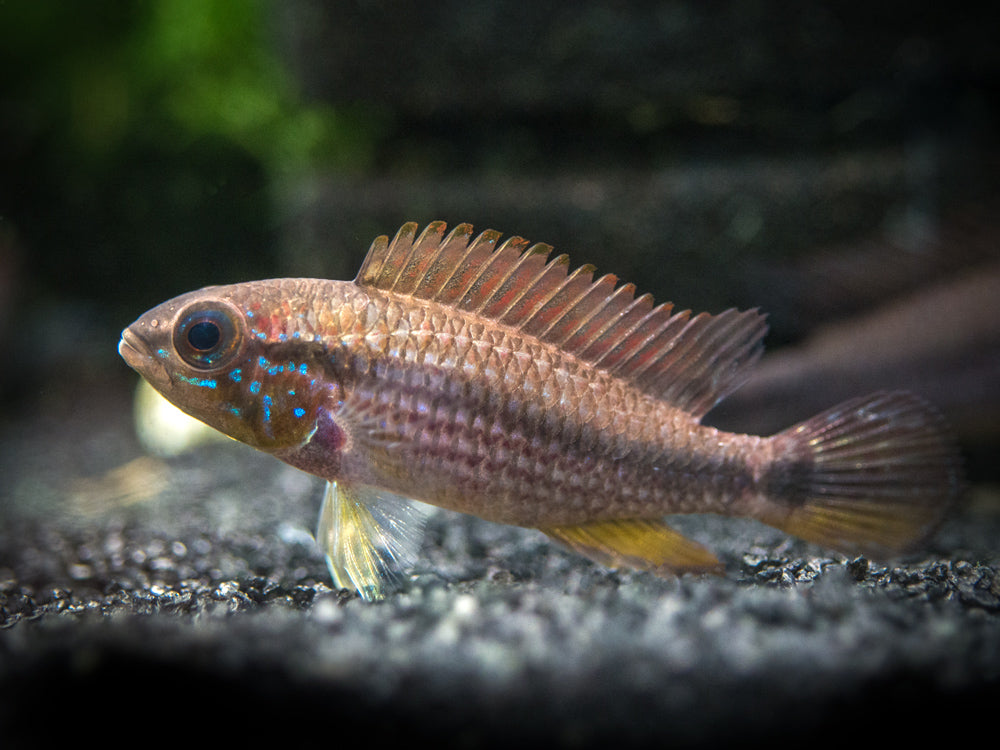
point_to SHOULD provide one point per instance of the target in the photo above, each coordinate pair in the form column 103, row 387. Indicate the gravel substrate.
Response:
column 208, row 601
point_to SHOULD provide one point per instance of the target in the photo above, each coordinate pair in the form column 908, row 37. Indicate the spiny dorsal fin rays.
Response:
column 634, row 342
column 491, row 275
column 517, row 282
column 466, row 263
column 565, row 295
column 579, row 311
column 599, row 319
column 690, row 362
column 440, row 281
column 422, row 255
column 370, row 266
column 538, row 291
column 612, row 331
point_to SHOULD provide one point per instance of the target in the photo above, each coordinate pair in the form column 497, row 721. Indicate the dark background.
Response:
column 817, row 161
column 834, row 164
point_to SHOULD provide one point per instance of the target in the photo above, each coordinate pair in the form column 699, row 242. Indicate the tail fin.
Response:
column 875, row 474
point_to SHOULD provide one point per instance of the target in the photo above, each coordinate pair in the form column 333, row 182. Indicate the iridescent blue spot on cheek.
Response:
column 275, row 370
column 282, row 337
column 249, row 313
column 267, row 408
column 236, row 410
column 302, row 369
column 200, row 382
column 236, row 375
column 255, row 387
column 291, row 392
column 299, row 412
column 262, row 361
column 162, row 353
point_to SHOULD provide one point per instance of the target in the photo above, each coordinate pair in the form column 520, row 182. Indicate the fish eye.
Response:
column 207, row 335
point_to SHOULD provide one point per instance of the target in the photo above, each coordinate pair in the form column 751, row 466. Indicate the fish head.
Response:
column 246, row 359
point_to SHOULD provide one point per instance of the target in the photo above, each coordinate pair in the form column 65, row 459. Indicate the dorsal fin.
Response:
column 689, row 361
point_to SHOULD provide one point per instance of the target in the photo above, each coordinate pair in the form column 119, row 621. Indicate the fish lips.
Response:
column 134, row 350
column 137, row 353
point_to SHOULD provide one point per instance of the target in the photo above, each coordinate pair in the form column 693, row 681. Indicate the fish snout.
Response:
column 135, row 351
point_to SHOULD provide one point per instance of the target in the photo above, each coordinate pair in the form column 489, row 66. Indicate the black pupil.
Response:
column 204, row 336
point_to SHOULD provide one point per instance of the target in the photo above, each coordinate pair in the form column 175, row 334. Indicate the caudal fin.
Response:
column 875, row 474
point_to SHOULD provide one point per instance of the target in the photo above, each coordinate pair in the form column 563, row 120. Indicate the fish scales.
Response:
column 508, row 428
column 484, row 378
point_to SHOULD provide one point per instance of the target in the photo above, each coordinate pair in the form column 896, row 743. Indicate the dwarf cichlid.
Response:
column 485, row 378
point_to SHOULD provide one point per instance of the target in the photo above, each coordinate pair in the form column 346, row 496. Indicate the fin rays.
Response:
column 691, row 362
column 881, row 475
column 367, row 536
column 636, row 543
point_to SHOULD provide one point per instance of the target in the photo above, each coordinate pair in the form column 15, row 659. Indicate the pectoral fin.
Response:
column 368, row 535
column 644, row 544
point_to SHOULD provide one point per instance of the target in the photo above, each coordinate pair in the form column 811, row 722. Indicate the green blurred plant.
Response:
column 146, row 146
column 174, row 69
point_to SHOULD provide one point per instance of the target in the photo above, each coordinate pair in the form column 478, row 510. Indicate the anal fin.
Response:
column 649, row 545
column 367, row 536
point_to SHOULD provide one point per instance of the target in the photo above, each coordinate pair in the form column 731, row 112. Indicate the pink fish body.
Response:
column 490, row 380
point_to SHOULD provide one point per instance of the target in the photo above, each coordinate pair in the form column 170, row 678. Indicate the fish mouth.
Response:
column 133, row 350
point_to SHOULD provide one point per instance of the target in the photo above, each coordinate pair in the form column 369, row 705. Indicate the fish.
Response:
column 481, row 376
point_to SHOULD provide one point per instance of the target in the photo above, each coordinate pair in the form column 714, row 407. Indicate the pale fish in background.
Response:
column 163, row 429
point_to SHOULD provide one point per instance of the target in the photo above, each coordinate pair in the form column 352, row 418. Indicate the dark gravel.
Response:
column 208, row 600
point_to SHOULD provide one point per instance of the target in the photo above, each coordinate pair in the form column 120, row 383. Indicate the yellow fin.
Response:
column 367, row 535
column 644, row 544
